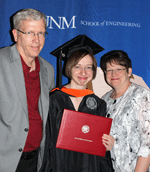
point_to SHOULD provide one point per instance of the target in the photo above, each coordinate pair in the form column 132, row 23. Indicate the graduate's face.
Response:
column 82, row 73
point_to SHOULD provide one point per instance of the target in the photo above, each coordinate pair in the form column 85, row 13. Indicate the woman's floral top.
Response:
column 130, row 127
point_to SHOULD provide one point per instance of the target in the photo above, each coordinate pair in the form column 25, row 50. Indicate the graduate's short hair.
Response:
column 75, row 57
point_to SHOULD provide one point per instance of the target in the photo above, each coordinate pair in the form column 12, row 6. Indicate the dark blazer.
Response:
column 13, row 106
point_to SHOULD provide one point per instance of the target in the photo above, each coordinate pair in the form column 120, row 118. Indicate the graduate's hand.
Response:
column 108, row 141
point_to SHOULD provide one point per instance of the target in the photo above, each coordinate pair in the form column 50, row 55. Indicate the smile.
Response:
column 114, row 79
column 35, row 48
column 82, row 78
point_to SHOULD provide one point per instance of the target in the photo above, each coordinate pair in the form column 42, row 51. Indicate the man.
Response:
column 25, row 82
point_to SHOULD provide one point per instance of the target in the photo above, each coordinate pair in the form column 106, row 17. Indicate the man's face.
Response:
column 30, row 46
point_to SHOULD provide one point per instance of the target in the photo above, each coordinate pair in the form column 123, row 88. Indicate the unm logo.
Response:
column 85, row 129
column 61, row 23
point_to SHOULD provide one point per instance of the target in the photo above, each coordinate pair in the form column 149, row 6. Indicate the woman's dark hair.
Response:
column 75, row 57
column 115, row 56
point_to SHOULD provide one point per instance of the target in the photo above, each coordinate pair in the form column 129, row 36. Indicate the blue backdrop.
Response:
column 113, row 24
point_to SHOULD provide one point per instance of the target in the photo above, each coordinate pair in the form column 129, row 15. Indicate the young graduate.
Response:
column 80, row 68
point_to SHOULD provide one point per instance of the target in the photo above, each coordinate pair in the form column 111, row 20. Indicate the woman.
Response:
column 80, row 68
column 128, row 105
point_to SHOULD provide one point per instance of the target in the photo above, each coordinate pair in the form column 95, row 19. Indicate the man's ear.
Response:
column 15, row 34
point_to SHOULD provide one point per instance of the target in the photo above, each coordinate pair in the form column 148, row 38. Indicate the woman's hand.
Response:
column 108, row 141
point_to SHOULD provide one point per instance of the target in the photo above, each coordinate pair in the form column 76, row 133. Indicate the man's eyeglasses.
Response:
column 32, row 34
column 117, row 71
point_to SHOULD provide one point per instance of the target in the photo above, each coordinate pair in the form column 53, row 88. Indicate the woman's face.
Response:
column 117, row 75
column 82, row 73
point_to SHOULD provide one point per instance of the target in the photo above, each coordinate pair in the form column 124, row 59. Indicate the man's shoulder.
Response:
column 5, row 49
column 5, row 54
column 9, row 53
column 8, row 50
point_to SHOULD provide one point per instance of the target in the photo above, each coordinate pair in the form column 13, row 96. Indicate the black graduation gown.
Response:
column 61, row 160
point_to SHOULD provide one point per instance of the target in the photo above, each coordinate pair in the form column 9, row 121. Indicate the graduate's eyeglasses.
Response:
column 86, row 68
column 32, row 34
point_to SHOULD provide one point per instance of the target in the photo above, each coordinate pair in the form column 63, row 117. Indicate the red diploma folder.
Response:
column 82, row 132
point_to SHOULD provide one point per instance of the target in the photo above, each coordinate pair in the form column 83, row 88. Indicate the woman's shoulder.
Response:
column 139, row 89
column 138, row 94
column 107, row 95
